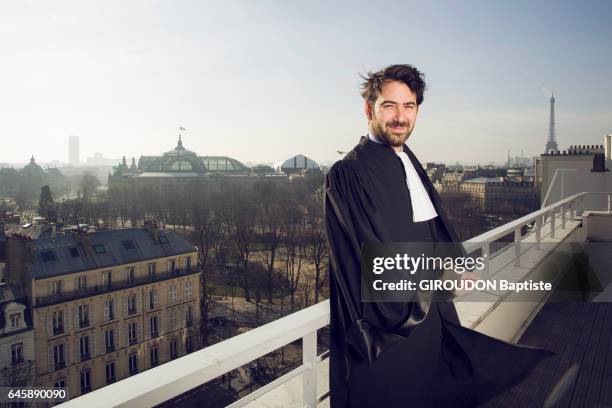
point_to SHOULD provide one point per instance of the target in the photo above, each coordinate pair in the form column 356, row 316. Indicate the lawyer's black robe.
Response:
column 400, row 354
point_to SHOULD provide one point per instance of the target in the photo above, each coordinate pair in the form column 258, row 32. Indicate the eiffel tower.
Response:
column 551, row 144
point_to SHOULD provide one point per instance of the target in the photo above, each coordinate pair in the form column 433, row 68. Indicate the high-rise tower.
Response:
column 73, row 150
column 551, row 143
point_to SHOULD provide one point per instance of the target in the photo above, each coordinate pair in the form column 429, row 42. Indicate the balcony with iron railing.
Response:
column 58, row 329
column 59, row 364
column 307, row 385
column 93, row 290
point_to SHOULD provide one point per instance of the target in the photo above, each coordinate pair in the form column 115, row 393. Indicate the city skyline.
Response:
column 283, row 79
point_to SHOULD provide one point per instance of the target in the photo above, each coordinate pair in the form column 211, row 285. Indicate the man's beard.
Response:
column 386, row 136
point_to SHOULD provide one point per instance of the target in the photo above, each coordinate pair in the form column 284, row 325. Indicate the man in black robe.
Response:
column 400, row 354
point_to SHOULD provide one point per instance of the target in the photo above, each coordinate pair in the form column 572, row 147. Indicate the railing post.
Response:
column 552, row 222
column 309, row 377
column 563, row 216
column 580, row 206
column 609, row 203
column 517, row 246
column 572, row 205
column 538, row 230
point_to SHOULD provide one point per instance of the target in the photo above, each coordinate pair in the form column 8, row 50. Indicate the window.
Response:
column 163, row 239
column 84, row 348
column 188, row 289
column 59, row 360
column 73, row 252
column 85, row 381
column 132, row 333
column 154, row 356
column 188, row 344
column 133, row 363
column 131, row 304
column 151, row 268
column 171, row 266
column 58, row 322
column 110, row 372
column 172, row 293
column 109, row 336
column 181, row 165
column 83, row 311
column 173, row 349
column 106, row 279
column 60, row 383
column 47, row 256
column 189, row 316
column 152, row 299
column 173, row 319
column 15, row 320
column 109, row 309
column 130, row 274
column 153, row 325
column 16, row 353
column 99, row 249
column 128, row 244
column 56, row 287
column 187, row 264
column 82, row 282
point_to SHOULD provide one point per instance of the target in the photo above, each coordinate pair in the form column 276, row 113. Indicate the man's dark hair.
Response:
column 373, row 81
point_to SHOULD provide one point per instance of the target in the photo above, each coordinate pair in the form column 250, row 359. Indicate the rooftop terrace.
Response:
column 579, row 333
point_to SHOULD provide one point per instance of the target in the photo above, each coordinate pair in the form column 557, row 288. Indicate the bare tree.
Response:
column 88, row 185
column 205, row 230
column 293, row 250
column 318, row 251
column 271, row 201
column 240, row 217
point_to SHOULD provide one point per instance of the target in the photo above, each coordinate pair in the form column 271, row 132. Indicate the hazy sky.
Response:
column 261, row 81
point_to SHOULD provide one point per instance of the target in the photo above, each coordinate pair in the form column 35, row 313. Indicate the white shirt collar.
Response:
column 422, row 207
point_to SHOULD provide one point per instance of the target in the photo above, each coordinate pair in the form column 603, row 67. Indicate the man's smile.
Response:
column 398, row 128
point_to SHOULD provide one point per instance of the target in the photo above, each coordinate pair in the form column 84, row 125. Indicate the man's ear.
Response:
column 368, row 110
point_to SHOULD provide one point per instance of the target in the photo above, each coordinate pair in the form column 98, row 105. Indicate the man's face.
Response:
column 393, row 115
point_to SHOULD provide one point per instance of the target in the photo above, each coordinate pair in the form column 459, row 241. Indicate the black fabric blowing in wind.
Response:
column 401, row 354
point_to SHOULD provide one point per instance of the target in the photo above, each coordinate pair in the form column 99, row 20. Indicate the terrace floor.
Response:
column 579, row 333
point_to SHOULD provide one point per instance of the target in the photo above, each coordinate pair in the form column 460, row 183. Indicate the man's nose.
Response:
column 399, row 114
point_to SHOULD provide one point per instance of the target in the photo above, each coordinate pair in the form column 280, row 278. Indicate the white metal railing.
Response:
column 176, row 377
column 569, row 207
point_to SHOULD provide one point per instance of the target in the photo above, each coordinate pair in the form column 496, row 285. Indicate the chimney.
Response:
column 152, row 228
column 608, row 146
column 599, row 163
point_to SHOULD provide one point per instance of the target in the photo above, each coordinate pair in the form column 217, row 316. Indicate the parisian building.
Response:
column 16, row 339
column 490, row 192
column 106, row 304
column 176, row 168
column 560, row 173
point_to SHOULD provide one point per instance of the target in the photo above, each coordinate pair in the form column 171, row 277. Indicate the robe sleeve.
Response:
column 345, row 220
